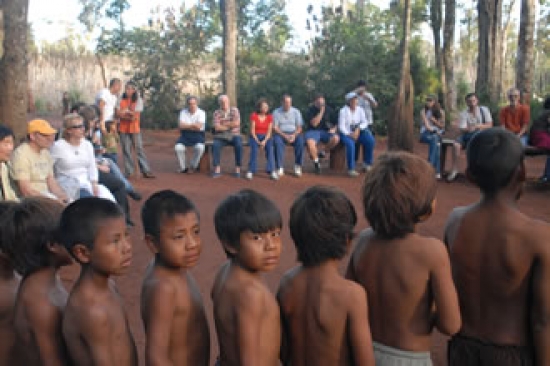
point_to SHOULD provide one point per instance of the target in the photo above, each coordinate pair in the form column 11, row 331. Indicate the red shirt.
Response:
column 261, row 126
column 515, row 118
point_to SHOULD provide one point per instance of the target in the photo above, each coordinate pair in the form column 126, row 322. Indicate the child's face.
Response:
column 112, row 252
column 259, row 252
column 179, row 244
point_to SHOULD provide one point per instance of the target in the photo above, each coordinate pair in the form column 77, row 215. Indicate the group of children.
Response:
column 397, row 288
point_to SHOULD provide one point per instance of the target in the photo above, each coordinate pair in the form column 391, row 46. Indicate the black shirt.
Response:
column 328, row 120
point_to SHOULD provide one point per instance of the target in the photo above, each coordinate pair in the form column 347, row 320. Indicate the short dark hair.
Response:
column 5, row 209
column 318, row 95
column 81, row 219
column 397, row 193
column 493, row 156
column 246, row 210
column 75, row 108
column 5, row 131
column 321, row 224
column 164, row 205
column 470, row 95
column 27, row 230
column 259, row 103
column 361, row 83
column 113, row 82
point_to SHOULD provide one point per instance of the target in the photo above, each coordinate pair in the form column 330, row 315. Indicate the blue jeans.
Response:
column 116, row 172
column 252, row 164
column 218, row 144
column 280, row 144
column 367, row 140
column 434, row 142
column 112, row 156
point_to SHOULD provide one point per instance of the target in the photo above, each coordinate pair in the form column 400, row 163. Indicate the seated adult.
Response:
column 192, row 122
column 227, row 131
column 473, row 119
column 287, row 128
column 540, row 136
column 353, row 127
column 431, row 128
column 74, row 159
column 516, row 116
column 261, row 132
column 32, row 164
column 7, row 186
column 321, row 128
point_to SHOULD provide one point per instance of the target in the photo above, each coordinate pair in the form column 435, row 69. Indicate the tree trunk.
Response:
column 448, row 57
column 435, row 23
column 400, row 127
column 489, row 50
column 360, row 6
column 503, row 35
column 13, row 67
column 524, row 65
column 229, row 74
column 101, row 69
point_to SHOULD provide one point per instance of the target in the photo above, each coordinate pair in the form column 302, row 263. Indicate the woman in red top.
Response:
column 129, row 109
column 261, row 123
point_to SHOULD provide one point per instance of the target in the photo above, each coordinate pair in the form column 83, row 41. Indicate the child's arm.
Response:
column 249, row 315
column 44, row 322
column 540, row 318
column 447, row 316
column 358, row 326
column 157, row 325
column 95, row 331
column 284, row 355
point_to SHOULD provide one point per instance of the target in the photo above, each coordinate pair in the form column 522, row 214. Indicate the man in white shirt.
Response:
column 470, row 121
column 287, row 128
column 192, row 122
column 107, row 99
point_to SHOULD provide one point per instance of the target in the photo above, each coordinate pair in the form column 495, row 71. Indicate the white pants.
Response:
column 198, row 150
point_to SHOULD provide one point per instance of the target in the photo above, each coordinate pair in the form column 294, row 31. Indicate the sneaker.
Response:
column 437, row 176
column 216, row 175
column 297, row 170
column 281, row 172
column 544, row 179
column 134, row 195
column 321, row 154
column 183, row 170
column 366, row 168
column 237, row 174
column 249, row 175
column 353, row 173
column 274, row 175
column 452, row 176
column 148, row 175
column 317, row 167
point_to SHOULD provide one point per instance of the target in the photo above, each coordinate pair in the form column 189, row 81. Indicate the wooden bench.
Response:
column 204, row 163
column 535, row 151
column 445, row 143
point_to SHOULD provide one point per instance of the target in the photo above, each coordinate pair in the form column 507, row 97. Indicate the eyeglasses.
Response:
column 75, row 127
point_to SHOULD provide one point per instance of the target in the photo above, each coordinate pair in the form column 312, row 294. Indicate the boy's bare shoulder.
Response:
column 539, row 234
column 453, row 222
column 362, row 241
column 287, row 281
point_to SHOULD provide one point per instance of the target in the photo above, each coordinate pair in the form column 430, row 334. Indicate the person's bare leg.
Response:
column 334, row 140
column 455, row 154
column 312, row 149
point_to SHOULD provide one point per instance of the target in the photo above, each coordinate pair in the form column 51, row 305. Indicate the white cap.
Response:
column 350, row 96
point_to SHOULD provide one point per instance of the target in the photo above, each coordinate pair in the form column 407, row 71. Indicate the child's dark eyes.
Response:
column 276, row 233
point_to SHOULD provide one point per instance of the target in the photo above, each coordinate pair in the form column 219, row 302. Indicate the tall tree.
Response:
column 489, row 49
column 13, row 66
column 525, row 58
column 448, row 56
column 228, row 9
column 435, row 23
column 400, row 127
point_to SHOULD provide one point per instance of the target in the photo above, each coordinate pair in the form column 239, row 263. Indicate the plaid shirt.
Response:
column 223, row 118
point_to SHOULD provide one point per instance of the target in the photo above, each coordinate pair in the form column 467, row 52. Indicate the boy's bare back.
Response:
column 325, row 318
column 175, row 300
column 247, row 319
column 403, row 278
column 8, row 291
column 96, row 329
column 501, row 267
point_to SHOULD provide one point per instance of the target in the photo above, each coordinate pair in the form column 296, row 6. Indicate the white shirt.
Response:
column 467, row 119
column 348, row 119
column 363, row 101
column 77, row 162
column 186, row 118
column 110, row 103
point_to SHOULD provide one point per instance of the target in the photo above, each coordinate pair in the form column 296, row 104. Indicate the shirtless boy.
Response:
column 501, row 262
column 95, row 325
column 407, row 276
column 325, row 317
column 246, row 313
column 9, row 284
column 30, row 241
column 171, row 304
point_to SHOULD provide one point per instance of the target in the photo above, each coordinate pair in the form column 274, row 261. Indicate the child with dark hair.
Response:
column 246, row 313
column 29, row 232
column 95, row 325
column 407, row 276
column 501, row 262
column 171, row 303
column 9, row 285
column 322, row 220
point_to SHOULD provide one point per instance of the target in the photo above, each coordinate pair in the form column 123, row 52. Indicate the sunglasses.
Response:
column 75, row 127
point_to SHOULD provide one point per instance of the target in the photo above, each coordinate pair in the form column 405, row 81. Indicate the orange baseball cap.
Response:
column 40, row 126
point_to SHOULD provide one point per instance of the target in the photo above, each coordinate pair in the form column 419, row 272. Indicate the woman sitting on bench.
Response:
column 540, row 136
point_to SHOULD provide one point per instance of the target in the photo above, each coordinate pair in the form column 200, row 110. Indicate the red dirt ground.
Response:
column 207, row 193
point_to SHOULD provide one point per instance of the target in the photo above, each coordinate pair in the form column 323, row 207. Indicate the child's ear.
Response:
column 81, row 253
column 151, row 243
column 229, row 248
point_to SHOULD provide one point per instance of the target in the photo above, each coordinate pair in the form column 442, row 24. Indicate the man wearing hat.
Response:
column 353, row 127
column 32, row 165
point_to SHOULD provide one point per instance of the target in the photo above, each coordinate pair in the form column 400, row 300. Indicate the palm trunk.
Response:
column 524, row 65
column 229, row 19
column 448, row 57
